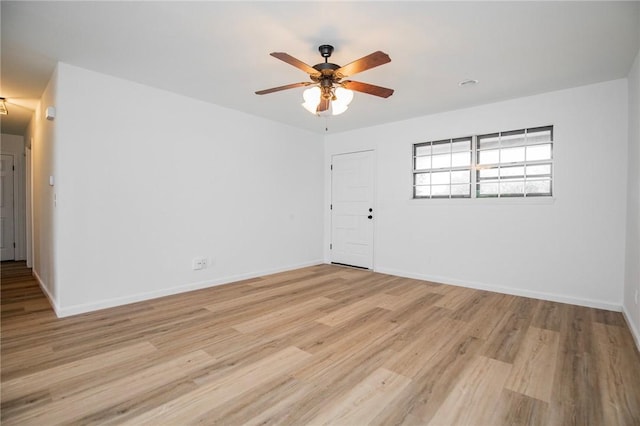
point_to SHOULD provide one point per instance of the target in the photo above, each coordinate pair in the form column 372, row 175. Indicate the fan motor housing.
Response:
column 326, row 68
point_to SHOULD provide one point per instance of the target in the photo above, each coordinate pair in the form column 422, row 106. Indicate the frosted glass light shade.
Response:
column 343, row 96
column 311, row 107
column 337, row 108
column 311, row 98
column 312, row 95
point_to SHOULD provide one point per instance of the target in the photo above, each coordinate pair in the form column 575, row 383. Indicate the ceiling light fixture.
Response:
column 3, row 107
column 338, row 100
column 328, row 93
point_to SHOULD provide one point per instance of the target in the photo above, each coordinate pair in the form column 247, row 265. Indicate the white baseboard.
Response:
column 507, row 290
column 125, row 300
column 632, row 327
column 46, row 292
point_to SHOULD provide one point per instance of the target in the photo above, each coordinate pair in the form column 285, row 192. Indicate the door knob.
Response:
column 370, row 217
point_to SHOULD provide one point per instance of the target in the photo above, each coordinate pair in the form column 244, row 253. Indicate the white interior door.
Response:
column 7, row 249
column 352, row 215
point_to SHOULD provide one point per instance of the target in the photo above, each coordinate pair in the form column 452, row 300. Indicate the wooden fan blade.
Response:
column 370, row 61
column 277, row 89
column 295, row 62
column 323, row 105
column 370, row 89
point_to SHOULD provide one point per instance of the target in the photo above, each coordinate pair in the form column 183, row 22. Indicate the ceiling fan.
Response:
column 330, row 93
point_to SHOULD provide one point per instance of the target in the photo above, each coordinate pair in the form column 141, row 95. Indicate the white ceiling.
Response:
column 219, row 51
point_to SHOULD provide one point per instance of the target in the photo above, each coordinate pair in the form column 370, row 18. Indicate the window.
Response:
column 442, row 169
column 514, row 164
column 505, row 164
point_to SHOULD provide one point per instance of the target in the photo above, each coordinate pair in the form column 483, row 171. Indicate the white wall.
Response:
column 28, row 138
column 147, row 180
column 632, row 264
column 41, row 134
column 570, row 249
column 14, row 145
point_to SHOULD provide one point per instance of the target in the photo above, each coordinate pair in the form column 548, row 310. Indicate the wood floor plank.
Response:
column 350, row 311
column 283, row 315
column 538, row 353
column 349, row 350
column 473, row 399
column 505, row 341
column 322, row 344
column 437, row 378
column 269, row 403
column 577, row 389
column 205, row 398
column 78, row 405
column 414, row 354
column 38, row 381
column 516, row 409
column 621, row 400
column 329, row 388
column 14, row 360
column 357, row 329
column 548, row 315
column 364, row 401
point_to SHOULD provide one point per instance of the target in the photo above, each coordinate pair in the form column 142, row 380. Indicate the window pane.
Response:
column 512, row 171
column 488, row 157
column 508, row 139
column 488, row 188
column 460, row 159
column 423, row 163
column 461, row 176
column 542, row 187
column 459, row 145
column 423, row 150
column 491, row 173
column 488, row 141
column 441, row 147
column 512, row 155
column 461, row 190
column 423, row 179
column 539, row 169
column 539, row 152
column 508, row 187
column 541, row 134
column 440, row 190
column 441, row 161
column 422, row 191
column 440, row 178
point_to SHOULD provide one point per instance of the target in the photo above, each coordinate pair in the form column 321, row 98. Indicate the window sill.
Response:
column 481, row 201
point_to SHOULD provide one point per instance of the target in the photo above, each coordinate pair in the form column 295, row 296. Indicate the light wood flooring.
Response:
column 320, row 345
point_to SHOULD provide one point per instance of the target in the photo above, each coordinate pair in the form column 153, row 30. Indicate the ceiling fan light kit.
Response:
column 330, row 94
column 339, row 100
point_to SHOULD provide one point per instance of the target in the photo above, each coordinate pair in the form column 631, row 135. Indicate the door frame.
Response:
column 374, row 202
column 14, row 206
column 15, row 145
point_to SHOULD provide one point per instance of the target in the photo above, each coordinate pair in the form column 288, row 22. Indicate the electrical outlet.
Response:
column 199, row 263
